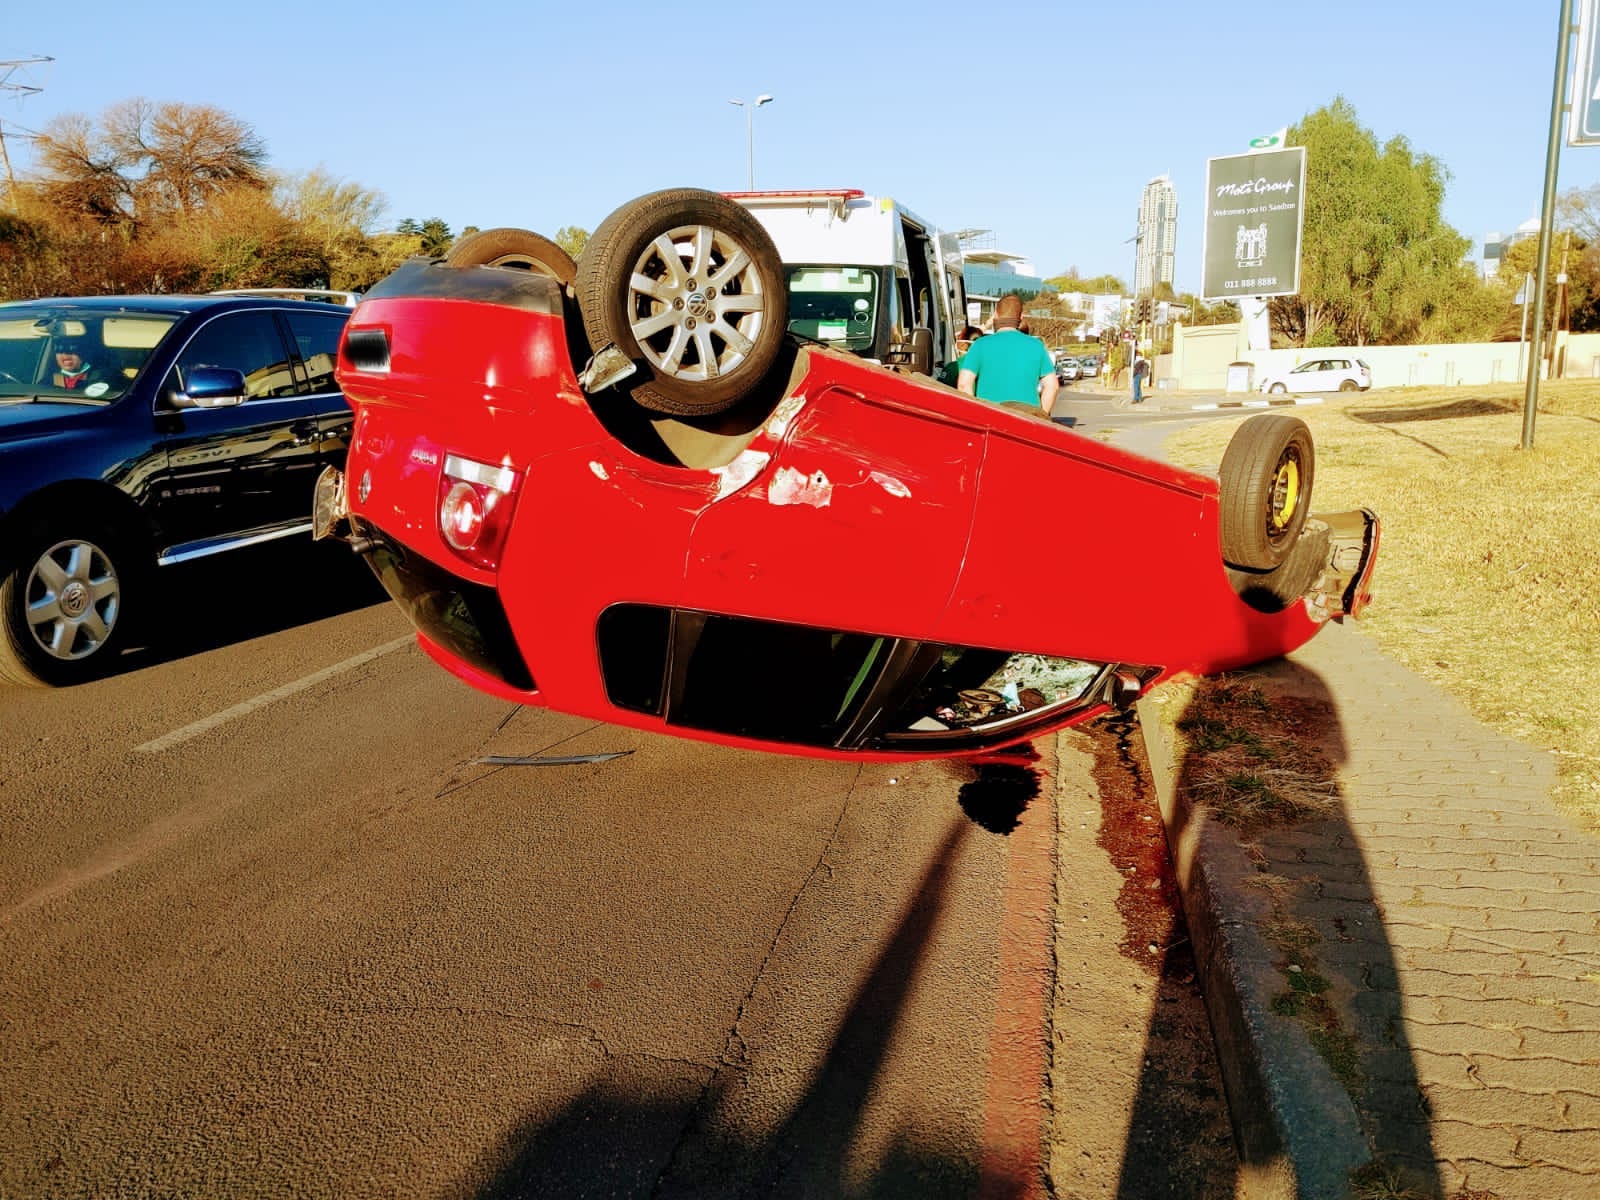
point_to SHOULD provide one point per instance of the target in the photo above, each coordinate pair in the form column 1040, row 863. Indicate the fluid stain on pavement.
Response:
column 1131, row 834
column 995, row 799
column 1178, row 1137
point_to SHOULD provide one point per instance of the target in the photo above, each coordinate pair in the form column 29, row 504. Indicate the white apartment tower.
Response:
column 1158, row 235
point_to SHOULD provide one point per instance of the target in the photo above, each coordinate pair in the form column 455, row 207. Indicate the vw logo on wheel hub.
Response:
column 74, row 599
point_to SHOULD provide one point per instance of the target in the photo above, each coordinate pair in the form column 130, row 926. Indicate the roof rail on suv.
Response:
column 348, row 299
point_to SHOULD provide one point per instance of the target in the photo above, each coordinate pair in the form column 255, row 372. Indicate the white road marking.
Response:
column 205, row 724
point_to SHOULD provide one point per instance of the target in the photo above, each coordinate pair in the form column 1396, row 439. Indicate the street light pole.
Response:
column 750, row 132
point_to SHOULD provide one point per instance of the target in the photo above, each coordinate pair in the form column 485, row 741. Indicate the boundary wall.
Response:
column 1201, row 356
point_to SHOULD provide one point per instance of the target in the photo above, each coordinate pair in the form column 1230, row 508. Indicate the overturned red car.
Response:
column 622, row 489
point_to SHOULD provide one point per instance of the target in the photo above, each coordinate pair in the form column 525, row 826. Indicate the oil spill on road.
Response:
column 998, row 787
column 1179, row 1138
column 1132, row 834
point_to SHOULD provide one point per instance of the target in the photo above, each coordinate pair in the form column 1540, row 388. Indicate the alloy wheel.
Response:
column 72, row 599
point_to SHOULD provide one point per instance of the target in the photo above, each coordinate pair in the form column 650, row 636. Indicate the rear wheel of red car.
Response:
column 688, row 285
column 517, row 248
column 1265, row 484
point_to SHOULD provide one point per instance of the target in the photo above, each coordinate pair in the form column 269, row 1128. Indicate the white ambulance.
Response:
column 866, row 274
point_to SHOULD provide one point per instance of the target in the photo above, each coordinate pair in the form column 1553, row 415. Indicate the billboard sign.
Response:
column 1255, row 211
column 1583, row 121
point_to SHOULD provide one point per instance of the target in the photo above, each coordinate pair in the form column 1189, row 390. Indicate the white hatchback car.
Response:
column 1321, row 375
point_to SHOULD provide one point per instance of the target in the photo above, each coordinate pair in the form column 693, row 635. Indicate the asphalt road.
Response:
column 268, row 928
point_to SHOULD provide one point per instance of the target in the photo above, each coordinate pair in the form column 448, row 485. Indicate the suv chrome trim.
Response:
column 188, row 551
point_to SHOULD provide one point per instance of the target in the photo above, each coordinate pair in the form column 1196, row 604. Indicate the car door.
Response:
column 1320, row 377
column 314, row 336
column 861, row 497
column 240, row 470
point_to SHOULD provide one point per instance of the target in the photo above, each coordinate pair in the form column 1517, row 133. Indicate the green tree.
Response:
column 1377, row 260
column 436, row 237
column 340, row 219
column 1099, row 285
column 1199, row 312
column 1569, row 252
column 572, row 239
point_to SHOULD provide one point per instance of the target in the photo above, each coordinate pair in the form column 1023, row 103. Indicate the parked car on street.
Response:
column 638, row 498
column 1067, row 368
column 1320, row 375
column 1088, row 366
column 141, row 431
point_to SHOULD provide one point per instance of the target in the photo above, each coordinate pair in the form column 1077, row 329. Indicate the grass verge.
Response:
column 1489, row 573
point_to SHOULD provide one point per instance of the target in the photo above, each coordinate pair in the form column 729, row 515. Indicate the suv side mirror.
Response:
column 210, row 387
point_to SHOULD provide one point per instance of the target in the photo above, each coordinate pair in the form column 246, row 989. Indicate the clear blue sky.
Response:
column 1039, row 121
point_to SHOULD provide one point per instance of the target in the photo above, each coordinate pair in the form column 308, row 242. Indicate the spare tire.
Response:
column 1265, row 484
column 518, row 248
column 689, row 285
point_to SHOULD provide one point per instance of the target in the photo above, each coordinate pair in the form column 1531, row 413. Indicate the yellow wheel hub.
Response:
column 1285, row 494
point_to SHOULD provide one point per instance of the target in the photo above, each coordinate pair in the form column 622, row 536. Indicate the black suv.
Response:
column 141, row 431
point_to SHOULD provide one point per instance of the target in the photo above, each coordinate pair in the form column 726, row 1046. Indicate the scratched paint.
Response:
column 788, row 409
column 740, row 471
column 891, row 485
column 790, row 486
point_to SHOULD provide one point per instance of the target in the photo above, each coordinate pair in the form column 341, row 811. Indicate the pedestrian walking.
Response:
column 1009, row 366
column 1141, row 368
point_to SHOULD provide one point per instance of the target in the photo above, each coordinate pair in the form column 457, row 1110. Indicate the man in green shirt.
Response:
column 1009, row 364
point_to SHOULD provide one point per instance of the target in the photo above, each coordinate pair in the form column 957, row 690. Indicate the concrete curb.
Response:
column 1154, row 403
column 1297, row 1131
column 1265, row 402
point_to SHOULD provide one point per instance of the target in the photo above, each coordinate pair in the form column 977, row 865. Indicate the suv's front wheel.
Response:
column 63, row 604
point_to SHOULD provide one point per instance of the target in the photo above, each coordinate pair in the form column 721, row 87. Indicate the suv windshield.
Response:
column 64, row 352
column 834, row 304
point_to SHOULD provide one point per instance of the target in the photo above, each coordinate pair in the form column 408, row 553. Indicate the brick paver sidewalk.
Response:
column 1415, row 981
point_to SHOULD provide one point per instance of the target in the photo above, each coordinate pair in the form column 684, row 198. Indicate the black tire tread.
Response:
column 487, row 247
column 1247, row 469
column 605, row 268
column 19, row 665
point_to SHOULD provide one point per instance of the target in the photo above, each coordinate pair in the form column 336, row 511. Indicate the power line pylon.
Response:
column 8, row 69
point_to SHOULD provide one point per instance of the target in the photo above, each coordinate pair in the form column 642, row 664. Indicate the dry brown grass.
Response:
column 1246, row 756
column 1488, row 580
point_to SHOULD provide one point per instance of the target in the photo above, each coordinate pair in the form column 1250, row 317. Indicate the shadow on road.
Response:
column 1309, row 909
column 637, row 1133
column 998, row 787
column 245, row 594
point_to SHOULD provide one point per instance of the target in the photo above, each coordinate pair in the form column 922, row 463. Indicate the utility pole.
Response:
column 1524, row 298
column 11, row 180
column 8, row 68
column 1552, row 159
column 1562, row 317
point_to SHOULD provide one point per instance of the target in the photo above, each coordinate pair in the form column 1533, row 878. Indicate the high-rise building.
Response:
column 1158, row 235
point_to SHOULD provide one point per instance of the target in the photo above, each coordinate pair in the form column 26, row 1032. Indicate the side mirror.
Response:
column 211, row 387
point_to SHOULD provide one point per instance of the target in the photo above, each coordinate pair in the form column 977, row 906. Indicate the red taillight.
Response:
column 475, row 505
